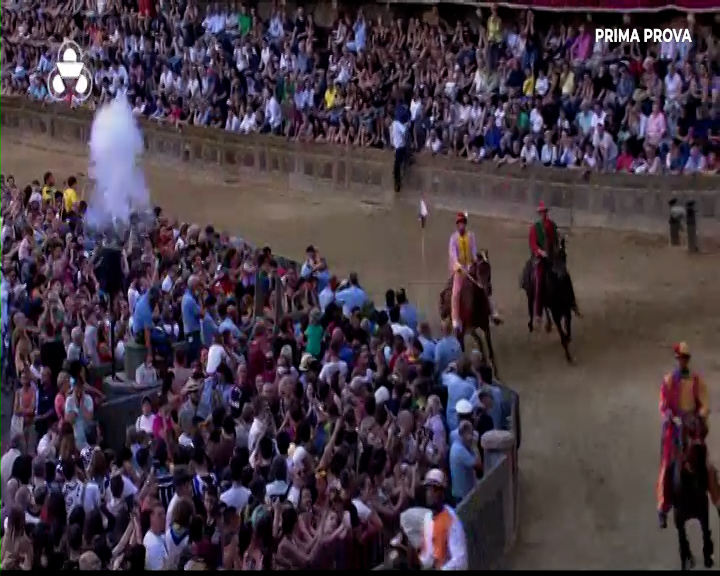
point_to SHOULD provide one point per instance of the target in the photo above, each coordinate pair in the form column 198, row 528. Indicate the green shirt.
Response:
column 244, row 23
column 523, row 120
column 314, row 334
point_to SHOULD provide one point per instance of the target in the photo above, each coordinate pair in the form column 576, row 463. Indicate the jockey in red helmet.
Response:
column 543, row 240
column 682, row 392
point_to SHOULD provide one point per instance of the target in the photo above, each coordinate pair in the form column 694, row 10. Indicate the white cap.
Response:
column 463, row 407
column 382, row 395
column 435, row 477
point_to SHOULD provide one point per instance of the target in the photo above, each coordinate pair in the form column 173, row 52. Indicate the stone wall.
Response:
column 618, row 201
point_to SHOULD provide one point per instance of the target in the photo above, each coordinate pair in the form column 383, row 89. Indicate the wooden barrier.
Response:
column 619, row 201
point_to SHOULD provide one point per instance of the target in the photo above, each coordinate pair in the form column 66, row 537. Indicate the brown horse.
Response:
column 475, row 306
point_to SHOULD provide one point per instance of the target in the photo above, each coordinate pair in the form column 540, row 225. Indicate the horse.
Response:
column 688, row 482
column 475, row 306
column 557, row 296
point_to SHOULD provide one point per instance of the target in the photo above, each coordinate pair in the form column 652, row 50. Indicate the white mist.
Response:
column 116, row 147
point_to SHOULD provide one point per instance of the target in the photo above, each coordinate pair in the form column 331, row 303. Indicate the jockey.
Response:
column 682, row 392
column 543, row 239
column 462, row 252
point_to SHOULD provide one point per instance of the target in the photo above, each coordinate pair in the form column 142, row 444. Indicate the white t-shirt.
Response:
column 330, row 368
column 236, row 497
column 174, row 548
column 156, row 553
column 216, row 356
column 145, row 423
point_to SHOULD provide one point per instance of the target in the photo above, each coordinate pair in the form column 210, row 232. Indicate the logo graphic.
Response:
column 70, row 67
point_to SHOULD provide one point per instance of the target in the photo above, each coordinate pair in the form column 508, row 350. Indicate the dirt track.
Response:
column 591, row 441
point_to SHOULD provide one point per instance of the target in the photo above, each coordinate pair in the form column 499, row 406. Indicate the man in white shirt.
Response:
column 182, row 479
column 529, row 153
column 273, row 113
column 237, row 496
column 398, row 140
column 156, row 553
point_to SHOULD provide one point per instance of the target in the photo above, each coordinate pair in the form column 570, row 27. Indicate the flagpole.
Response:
column 423, row 223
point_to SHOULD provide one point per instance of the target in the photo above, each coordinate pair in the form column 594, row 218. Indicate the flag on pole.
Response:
column 423, row 212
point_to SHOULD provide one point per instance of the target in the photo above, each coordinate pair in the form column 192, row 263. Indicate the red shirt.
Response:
column 256, row 362
column 624, row 163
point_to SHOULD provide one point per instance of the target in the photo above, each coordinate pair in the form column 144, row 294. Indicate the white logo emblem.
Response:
column 70, row 66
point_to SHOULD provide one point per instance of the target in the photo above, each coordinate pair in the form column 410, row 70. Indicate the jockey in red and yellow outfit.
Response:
column 682, row 392
column 543, row 240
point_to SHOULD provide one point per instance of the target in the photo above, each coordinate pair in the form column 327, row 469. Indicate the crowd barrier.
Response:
column 616, row 201
column 490, row 511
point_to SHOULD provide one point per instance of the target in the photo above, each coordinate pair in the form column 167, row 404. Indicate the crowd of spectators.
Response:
column 494, row 87
column 258, row 445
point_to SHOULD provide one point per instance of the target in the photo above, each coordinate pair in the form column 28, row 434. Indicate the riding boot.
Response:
column 662, row 519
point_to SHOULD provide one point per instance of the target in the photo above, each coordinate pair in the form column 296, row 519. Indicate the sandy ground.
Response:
column 590, row 451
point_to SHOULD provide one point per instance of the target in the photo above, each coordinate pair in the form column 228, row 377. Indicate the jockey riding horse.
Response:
column 683, row 396
column 462, row 253
column 544, row 245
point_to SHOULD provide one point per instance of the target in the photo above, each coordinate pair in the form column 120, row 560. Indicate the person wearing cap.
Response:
column 544, row 243
column 682, row 393
column 461, row 252
column 444, row 544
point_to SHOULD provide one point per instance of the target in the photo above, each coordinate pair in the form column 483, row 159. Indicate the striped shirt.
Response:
column 165, row 485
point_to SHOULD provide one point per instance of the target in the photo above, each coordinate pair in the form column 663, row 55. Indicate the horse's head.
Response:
column 560, row 263
column 481, row 270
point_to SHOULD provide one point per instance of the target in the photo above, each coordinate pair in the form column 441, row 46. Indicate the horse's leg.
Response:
column 480, row 337
column 564, row 340
column 686, row 560
column 491, row 353
column 704, row 518
column 568, row 326
column 548, row 321
column 531, row 310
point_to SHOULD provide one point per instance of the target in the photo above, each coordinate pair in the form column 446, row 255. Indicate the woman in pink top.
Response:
column 61, row 396
column 656, row 126
column 163, row 422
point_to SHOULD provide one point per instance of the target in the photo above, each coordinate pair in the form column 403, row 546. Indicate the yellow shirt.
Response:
column 464, row 250
column 493, row 29
column 70, row 197
column 529, row 86
column 330, row 97
column 568, row 85
column 48, row 193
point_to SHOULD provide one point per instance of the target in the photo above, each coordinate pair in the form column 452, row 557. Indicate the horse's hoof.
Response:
column 709, row 562
column 497, row 320
column 530, row 327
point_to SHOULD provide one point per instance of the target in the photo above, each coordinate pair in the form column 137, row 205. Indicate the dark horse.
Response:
column 688, row 482
column 557, row 296
column 475, row 306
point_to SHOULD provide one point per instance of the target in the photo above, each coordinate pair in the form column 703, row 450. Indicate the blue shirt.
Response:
column 500, row 410
column 447, row 350
column 190, row 313
column 208, row 328
column 227, row 325
column 409, row 316
column 428, row 353
column 458, row 389
column 351, row 298
column 462, row 470
column 143, row 316
column 323, row 279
